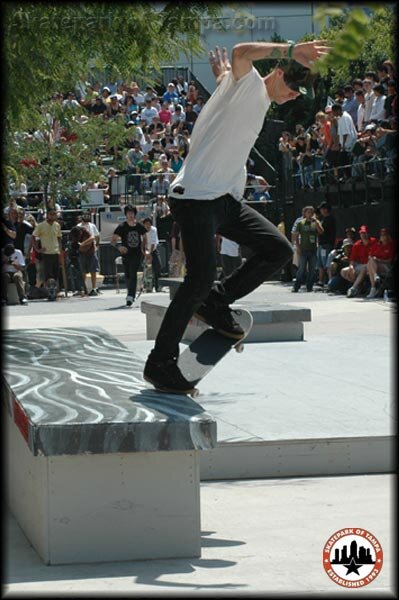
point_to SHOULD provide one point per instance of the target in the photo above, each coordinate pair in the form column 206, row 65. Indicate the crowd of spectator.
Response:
column 352, row 138
column 357, row 264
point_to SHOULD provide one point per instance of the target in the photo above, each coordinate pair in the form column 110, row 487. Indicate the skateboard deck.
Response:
column 52, row 290
column 204, row 353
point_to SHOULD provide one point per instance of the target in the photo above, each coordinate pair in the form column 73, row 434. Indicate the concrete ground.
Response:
column 262, row 536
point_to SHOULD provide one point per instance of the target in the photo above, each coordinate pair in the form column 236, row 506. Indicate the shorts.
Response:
column 322, row 256
column 358, row 268
column 88, row 263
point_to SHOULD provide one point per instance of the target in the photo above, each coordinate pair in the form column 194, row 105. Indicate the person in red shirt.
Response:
column 380, row 260
column 357, row 270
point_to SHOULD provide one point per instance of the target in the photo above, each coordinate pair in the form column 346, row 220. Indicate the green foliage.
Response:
column 49, row 47
column 360, row 42
column 65, row 154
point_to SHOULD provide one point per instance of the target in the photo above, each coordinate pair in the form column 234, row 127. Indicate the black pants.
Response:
column 131, row 265
column 156, row 268
column 199, row 221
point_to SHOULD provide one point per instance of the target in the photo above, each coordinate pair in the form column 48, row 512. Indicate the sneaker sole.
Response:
column 228, row 334
column 162, row 388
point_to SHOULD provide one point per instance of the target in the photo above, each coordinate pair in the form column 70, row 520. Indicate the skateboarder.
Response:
column 205, row 197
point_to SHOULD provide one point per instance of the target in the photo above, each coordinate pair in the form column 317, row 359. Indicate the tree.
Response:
column 49, row 47
column 65, row 151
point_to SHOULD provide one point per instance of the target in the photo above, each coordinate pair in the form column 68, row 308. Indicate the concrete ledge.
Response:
column 300, row 458
column 272, row 322
column 73, row 390
column 100, row 468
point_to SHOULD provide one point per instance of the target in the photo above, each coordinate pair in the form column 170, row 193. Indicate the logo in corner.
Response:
column 352, row 557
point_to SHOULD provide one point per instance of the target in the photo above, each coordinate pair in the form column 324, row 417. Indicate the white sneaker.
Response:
column 372, row 293
column 352, row 292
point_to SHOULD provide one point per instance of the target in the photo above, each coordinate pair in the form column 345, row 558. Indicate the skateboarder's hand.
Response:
column 123, row 249
column 219, row 62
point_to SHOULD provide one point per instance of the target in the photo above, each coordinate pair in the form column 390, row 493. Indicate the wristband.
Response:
column 290, row 49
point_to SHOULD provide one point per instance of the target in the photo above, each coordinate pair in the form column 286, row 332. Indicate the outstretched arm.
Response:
column 305, row 53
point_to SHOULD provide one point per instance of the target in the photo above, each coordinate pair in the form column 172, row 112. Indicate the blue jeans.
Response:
column 307, row 258
column 199, row 221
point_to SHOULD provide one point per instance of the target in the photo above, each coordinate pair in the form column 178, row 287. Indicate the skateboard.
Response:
column 148, row 282
column 52, row 290
column 204, row 353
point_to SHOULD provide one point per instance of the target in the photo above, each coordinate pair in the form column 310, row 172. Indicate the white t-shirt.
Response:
column 151, row 238
column 346, row 127
column 17, row 257
column 224, row 133
column 229, row 248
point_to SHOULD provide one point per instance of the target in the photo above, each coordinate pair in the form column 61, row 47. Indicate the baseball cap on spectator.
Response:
column 363, row 229
column 370, row 127
column 297, row 77
column 130, row 123
column 347, row 242
column 106, row 89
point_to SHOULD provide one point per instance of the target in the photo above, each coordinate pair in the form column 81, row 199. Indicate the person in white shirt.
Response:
column 148, row 112
column 151, row 250
column 206, row 196
column 368, row 98
column 13, row 265
column 377, row 109
column 361, row 110
column 230, row 255
column 346, row 129
column 89, row 258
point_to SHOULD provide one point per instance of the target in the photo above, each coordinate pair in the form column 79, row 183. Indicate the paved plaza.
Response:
column 258, row 536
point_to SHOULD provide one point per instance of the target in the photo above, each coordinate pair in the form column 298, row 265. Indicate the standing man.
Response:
column 206, row 196
column 132, row 236
column 50, row 236
column 326, row 240
column 306, row 240
column 151, row 250
column 88, row 247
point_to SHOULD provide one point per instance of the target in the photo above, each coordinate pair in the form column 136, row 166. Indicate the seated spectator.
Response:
column 380, row 261
column 137, row 95
column 160, row 186
column 148, row 112
column 356, row 272
column 176, row 162
column 99, row 107
column 340, row 260
column 156, row 126
column 178, row 119
column 170, row 95
column 13, row 266
column 165, row 114
column 114, row 107
column 199, row 105
column 70, row 101
column 191, row 117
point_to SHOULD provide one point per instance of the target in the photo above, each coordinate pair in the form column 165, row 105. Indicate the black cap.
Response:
column 298, row 77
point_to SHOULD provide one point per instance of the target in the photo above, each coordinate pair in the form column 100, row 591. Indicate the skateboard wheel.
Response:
column 195, row 393
column 240, row 348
